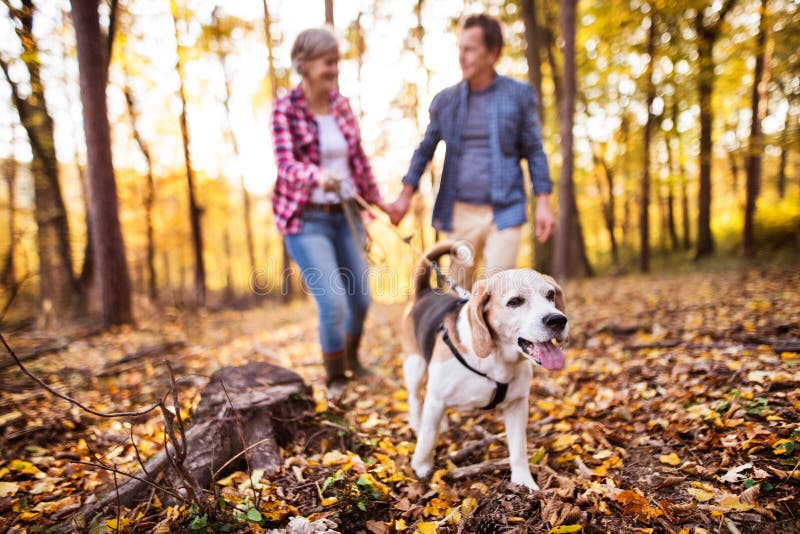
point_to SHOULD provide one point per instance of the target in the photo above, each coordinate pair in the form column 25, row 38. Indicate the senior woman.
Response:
column 321, row 164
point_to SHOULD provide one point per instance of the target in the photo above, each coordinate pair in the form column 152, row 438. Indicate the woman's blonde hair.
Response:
column 311, row 44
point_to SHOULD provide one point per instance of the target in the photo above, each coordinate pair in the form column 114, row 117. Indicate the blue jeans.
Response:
column 334, row 269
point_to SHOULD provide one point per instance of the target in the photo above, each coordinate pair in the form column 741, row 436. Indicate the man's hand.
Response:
column 544, row 220
column 398, row 209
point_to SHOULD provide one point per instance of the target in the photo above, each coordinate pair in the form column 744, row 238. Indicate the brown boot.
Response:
column 334, row 368
column 351, row 343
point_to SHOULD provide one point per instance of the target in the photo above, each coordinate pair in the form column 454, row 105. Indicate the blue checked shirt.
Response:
column 514, row 133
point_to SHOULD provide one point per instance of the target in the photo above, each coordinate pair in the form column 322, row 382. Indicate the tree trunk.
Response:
column 569, row 252
column 682, row 180
column 59, row 292
column 86, row 286
column 705, row 242
column 756, row 145
column 9, row 274
column 253, row 408
column 149, row 195
column 533, row 49
column 194, row 208
column 671, row 229
column 792, row 125
column 734, row 165
column 287, row 289
column 644, row 194
column 246, row 204
column 230, row 293
column 781, row 181
column 542, row 252
column 707, row 34
column 329, row 12
column 608, row 206
column 109, row 254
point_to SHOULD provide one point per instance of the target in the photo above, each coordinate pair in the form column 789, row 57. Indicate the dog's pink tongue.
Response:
column 552, row 357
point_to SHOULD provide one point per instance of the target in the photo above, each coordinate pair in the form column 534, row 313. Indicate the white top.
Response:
column 333, row 158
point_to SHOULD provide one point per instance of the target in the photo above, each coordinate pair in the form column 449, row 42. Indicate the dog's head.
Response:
column 517, row 313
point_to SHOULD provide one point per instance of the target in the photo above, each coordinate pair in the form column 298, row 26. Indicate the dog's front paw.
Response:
column 421, row 468
column 524, row 478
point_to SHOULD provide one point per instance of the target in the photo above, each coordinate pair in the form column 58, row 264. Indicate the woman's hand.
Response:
column 398, row 209
column 329, row 182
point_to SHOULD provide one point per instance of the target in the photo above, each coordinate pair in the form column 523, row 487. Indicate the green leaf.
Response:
column 722, row 406
column 362, row 506
column 254, row 515
column 199, row 522
column 749, row 483
column 538, row 455
column 227, row 527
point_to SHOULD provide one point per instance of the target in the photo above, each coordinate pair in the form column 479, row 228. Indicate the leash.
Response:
column 354, row 222
column 440, row 276
column 500, row 388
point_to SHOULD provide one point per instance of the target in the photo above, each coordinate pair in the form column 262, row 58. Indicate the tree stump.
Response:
column 254, row 407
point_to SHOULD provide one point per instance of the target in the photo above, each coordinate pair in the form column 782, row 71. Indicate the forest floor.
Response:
column 678, row 411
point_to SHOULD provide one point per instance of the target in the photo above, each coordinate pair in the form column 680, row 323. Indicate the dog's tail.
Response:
column 422, row 272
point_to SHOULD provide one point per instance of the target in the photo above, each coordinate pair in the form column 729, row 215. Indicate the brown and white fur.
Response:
column 509, row 321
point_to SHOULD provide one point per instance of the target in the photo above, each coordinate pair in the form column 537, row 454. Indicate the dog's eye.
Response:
column 515, row 302
column 550, row 295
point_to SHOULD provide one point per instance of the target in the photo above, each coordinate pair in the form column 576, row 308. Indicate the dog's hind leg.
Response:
column 414, row 368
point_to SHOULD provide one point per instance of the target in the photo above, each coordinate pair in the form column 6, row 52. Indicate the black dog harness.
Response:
column 500, row 388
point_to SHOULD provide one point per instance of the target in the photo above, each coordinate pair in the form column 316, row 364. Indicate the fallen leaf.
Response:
column 10, row 416
column 7, row 489
column 26, row 468
column 563, row 441
column 700, row 494
column 330, row 501
column 376, row 527
column 734, row 473
column 427, row 527
column 670, row 459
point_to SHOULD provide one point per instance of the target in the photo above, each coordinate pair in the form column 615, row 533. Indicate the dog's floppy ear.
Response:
column 476, row 314
column 561, row 304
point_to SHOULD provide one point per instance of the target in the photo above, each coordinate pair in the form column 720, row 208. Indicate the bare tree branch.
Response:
column 176, row 495
column 70, row 399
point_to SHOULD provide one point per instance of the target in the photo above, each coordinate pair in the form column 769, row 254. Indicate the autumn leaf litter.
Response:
column 677, row 411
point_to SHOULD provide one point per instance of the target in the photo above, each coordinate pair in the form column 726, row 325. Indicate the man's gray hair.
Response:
column 311, row 44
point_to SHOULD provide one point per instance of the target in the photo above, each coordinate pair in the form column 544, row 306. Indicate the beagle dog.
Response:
column 477, row 353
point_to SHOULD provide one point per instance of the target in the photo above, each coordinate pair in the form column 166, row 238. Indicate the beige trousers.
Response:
column 474, row 224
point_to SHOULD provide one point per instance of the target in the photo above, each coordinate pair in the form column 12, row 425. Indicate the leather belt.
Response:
column 325, row 208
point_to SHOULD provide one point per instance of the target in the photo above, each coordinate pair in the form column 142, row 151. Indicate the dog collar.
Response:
column 500, row 389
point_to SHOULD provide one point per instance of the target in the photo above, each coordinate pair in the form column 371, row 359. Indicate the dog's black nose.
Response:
column 555, row 321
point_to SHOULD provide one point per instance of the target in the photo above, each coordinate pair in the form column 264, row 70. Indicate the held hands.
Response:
column 544, row 221
column 398, row 209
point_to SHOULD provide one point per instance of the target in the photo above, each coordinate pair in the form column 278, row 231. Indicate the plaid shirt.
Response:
column 296, row 138
column 514, row 133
